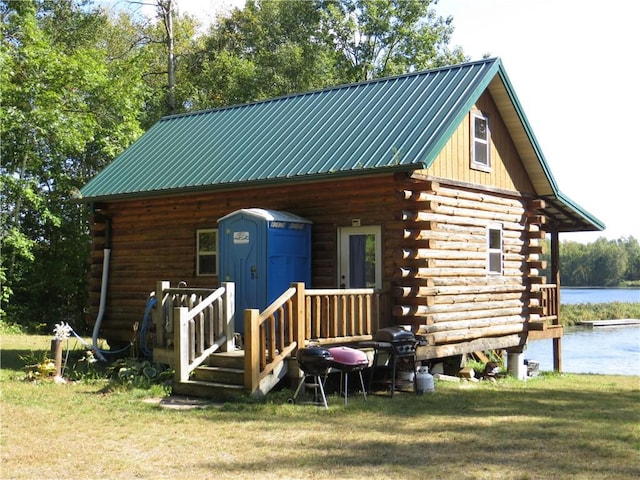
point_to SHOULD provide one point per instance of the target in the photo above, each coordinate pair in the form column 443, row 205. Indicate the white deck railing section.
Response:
column 196, row 322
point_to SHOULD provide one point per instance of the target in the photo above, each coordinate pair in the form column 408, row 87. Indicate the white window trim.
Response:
column 199, row 254
column 492, row 251
column 487, row 143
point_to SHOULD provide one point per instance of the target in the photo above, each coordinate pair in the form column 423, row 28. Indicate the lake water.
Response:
column 598, row 295
column 602, row 350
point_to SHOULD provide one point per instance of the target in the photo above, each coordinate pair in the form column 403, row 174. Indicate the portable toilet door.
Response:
column 263, row 252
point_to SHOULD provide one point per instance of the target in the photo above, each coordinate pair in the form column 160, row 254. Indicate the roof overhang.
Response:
column 563, row 214
column 360, row 174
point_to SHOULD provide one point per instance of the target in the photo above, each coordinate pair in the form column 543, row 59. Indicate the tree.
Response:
column 632, row 248
column 68, row 107
column 609, row 263
column 268, row 49
column 603, row 263
column 165, row 44
column 277, row 47
column 375, row 38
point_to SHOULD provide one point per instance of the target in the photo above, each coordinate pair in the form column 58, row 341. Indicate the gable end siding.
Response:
column 507, row 170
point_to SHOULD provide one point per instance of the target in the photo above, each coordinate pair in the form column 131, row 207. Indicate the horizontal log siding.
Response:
column 507, row 171
column 441, row 285
column 155, row 238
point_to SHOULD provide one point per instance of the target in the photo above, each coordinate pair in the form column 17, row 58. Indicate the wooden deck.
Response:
column 199, row 339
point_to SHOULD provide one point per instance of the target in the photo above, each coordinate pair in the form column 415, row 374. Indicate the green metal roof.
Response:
column 396, row 123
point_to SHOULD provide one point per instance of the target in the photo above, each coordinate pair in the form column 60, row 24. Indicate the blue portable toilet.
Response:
column 263, row 252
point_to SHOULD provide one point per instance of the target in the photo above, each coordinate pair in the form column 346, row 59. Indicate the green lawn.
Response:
column 549, row 427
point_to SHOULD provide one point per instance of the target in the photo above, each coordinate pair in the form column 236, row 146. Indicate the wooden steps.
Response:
column 222, row 378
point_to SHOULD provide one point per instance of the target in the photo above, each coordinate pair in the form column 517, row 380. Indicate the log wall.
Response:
column 441, row 285
column 155, row 239
column 434, row 252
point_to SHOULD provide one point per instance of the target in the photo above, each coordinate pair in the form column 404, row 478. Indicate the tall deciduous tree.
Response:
column 267, row 49
column 277, row 47
column 68, row 106
column 377, row 38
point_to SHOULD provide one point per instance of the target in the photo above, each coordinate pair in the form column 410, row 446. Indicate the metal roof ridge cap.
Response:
column 326, row 89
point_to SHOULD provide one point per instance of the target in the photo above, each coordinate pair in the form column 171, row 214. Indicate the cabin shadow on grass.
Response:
column 499, row 431
column 14, row 360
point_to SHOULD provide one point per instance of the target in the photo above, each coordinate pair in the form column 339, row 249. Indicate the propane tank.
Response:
column 424, row 380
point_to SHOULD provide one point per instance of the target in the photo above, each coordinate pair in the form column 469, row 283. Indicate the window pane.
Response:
column 207, row 241
column 480, row 128
column 495, row 239
column 207, row 264
column 495, row 262
column 480, row 155
column 362, row 261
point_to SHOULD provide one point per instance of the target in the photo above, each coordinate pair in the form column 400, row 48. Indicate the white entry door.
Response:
column 359, row 257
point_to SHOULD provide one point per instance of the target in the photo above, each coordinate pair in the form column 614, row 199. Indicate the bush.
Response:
column 573, row 314
column 133, row 373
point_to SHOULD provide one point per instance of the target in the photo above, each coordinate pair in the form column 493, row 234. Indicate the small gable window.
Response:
column 480, row 148
column 494, row 247
column 207, row 250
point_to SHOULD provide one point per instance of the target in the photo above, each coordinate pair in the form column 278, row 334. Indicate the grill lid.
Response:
column 314, row 360
column 348, row 357
column 394, row 335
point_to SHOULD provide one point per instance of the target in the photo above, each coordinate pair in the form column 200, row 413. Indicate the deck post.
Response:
column 228, row 312
column 251, row 349
column 555, row 274
column 299, row 313
column 181, row 343
column 158, row 315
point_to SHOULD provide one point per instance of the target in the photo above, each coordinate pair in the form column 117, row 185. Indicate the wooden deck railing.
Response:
column 339, row 315
column 194, row 321
column 271, row 336
column 325, row 316
column 548, row 302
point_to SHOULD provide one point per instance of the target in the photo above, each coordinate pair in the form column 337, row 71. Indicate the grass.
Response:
column 549, row 427
column 572, row 314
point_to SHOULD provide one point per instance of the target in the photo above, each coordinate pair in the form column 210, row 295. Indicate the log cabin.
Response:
column 427, row 197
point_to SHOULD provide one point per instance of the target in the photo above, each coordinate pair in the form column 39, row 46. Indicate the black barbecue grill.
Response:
column 315, row 362
column 399, row 345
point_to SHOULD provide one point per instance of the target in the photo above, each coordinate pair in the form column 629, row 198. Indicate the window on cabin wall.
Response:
column 207, row 249
column 494, row 247
column 481, row 142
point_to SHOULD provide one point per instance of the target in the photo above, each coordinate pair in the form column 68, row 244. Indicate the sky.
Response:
column 572, row 64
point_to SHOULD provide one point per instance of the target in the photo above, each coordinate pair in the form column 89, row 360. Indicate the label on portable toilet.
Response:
column 240, row 238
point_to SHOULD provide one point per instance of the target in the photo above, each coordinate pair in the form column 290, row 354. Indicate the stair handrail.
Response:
column 272, row 335
column 195, row 341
